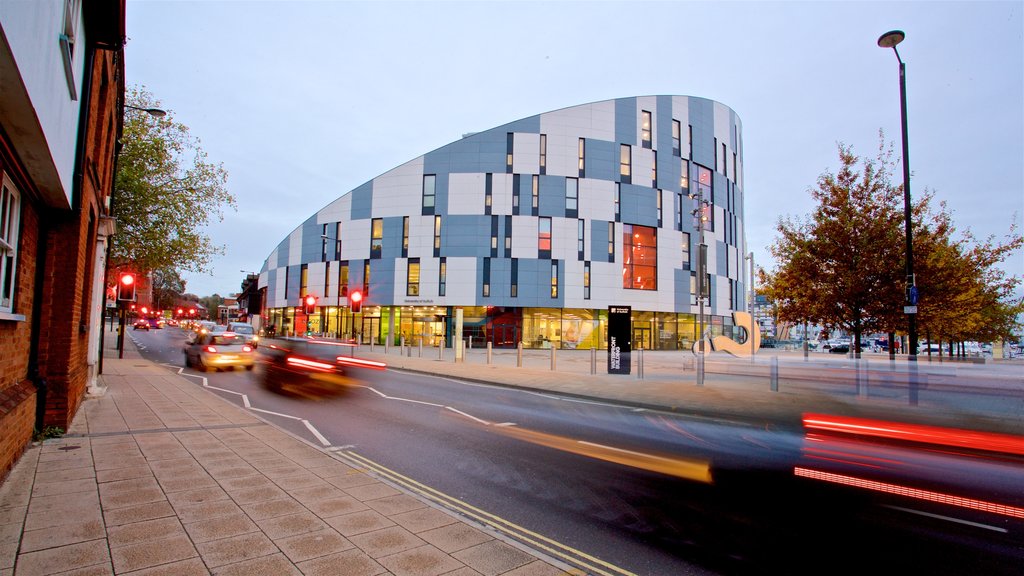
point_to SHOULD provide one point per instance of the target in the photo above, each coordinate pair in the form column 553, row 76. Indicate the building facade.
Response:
column 61, row 85
column 533, row 229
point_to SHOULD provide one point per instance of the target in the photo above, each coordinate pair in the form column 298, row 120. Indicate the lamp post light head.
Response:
column 154, row 112
column 891, row 38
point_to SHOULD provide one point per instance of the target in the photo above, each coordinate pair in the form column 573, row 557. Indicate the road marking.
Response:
column 949, row 518
column 578, row 558
column 316, row 433
column 276, row 414
column 470, row 416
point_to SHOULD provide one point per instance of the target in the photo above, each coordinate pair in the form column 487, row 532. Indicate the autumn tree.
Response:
column 841, row 267
column 166, row 192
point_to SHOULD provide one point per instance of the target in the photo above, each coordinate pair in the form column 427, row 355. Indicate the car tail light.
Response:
column 211, row 349
column 246, row 349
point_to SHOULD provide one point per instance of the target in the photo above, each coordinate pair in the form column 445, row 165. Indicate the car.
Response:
column 141, row 324
column 219, row 350
column 310, row 364
column 247, row 331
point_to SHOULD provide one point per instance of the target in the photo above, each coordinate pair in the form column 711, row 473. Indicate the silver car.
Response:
column 219, row 350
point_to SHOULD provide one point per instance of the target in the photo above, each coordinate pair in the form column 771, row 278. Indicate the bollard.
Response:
column 387, row 344
column 519, row 355
column 440, row 349
column 401, row 350
column 593, row 360
column 775, row 374
column 488, row 353
column 421, row 348
column 553, row 357
column 640, row 364
column 700, row 369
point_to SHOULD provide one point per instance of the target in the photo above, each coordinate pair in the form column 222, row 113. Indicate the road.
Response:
column 618, row 490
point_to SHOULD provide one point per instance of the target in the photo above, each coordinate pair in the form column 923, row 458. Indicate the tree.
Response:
column 165, row 194
column 167, row 288
column 841, row 267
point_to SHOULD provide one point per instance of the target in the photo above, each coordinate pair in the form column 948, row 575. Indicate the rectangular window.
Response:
column 366, row 278
column 707, row 191
column 488, row 192
column 509, row 143
column 660, row 212
column 618, row 202
column 679, row 210
column 654, row 170
column 429, row 193
column 494, row 236
column 343, row 277
column 689, row 143
column 543, row 153
column 625, row 163
column 645, row 129
column 287, row 277
column 323, row 243
column 544, row 237
column 572, row 191
column 337, row 241
column 535, row 195
column 611, row 241
column 676, row 135
column 580, row 233
column 586, row 280
column 10, row 222
column 412, row 278
column 442, row 276
column 725, row 161
column 686, row 250
column 405, row 237
column 693, row 288
column 514, row 290
column 684, row 175
column 508, row 236
column 640, row 257
column 554, row 278
column 486, row 291
column 437, row 236
column 376, row 237
column 303, row 280
column 515, row 194
column 581, row 153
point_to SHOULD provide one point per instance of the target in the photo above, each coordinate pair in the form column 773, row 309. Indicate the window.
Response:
column 366, row 278
column 488, row 192
column 654, row 171
column 514, row 290
column 679, row 210
column 543, row 153
column 618, row 201
column 303, row 279
column 10, row 221
column 515, row 194
column 645, row 129
column 625, row 163
column 343, row 278
column 580, row 233
column 508, row 236
column 586, row 280
column 494, row 236
column 554, row 278
column 544, row 237
column 429, row 193
column 535, row 195
column 437, row 236
column 376, row 237
column 323, row 243
column 676, row 134
column 581, row 153
column 337, row 241
column 686, row 250
column 735, row 170
column 693, row 288
column 572, row 191
column 442, row 276
column 486, row 290
column 684, row 175
column 689, row 143
column 412, row 278
column 640, row 253
column 725, row 161
column 509, row 142
column 405, row 237
column 611, row 241
column 705, row 189
column 657, row 194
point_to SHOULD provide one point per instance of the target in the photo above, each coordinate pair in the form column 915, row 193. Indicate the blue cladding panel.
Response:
column 535, row 283
column 501, row 279
column 282, row 253
column 639, row 205
column 598, row 240
column 294, row 284
column 552, row 196
column 392, row 247
column 312, row 243
column 529, row 125
column 669, row 167
column 463, row 235
column 625, row 122
column 484, row 152
column 441, row 193
column 382, row 281
column 602, row 160
column 362, row 201
column 702, row 118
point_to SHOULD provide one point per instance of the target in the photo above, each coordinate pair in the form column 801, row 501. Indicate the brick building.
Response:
column 61, row 92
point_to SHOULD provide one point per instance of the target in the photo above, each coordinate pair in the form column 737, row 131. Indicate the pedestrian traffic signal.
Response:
column 310, row 304
column 355, row 300
column 126, row 288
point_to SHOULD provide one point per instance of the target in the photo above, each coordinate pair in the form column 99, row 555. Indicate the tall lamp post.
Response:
column 890, row 40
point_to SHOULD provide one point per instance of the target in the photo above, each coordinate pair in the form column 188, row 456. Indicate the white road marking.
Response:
column 948, row 518
column 316, row 433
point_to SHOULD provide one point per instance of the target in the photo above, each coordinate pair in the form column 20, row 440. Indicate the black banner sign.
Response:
column 620, row 331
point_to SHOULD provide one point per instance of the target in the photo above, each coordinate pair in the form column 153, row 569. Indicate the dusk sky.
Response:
column 304, row 101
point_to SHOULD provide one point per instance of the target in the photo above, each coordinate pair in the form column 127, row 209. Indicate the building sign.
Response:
column 620, row 330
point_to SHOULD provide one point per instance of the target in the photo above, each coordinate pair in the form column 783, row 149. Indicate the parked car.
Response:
column 219, row 350
column 141, row 324
column 246, row 331
column 310, row 364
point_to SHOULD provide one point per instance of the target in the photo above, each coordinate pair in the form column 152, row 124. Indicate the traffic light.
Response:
column 309, row 303
column 355, row 300
column 126, row 287
column 145, row 310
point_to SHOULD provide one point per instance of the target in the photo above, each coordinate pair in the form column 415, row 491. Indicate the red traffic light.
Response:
column 126, row 287
column 145, row 310
column 127, row 279
column 310, row 300
column 309, row 304
column 355, row 300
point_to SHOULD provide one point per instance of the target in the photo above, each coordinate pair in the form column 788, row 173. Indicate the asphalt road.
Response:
column 616, row 490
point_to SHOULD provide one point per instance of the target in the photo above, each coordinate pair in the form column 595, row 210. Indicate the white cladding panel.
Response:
column 524, row 236
column 462, row 285
column 398, row 189
column 597, row 199
column 355, row 239
column 501, row 194
column 466, row 193
column 526, row 153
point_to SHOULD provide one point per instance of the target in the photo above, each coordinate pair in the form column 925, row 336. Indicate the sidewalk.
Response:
column 159, row 476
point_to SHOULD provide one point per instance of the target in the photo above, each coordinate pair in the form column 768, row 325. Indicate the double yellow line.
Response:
column 576, row 558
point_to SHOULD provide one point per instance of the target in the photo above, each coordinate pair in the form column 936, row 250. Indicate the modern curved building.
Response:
column 534, row 229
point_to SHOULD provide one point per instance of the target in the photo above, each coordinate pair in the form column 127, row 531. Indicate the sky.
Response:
column 302, row 102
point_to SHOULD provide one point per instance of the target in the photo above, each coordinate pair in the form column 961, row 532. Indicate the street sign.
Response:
column 910, row 309
column 620, row 330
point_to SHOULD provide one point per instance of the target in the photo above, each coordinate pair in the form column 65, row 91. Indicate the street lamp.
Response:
column 154, row 112
column 890, row 40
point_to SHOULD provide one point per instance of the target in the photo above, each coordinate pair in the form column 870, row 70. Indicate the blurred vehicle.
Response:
column 303, row 363
column 246, row 331
column 156, row 323
column 199, row 328
column 217, row 350
column 141, row 323
column 839, row 347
